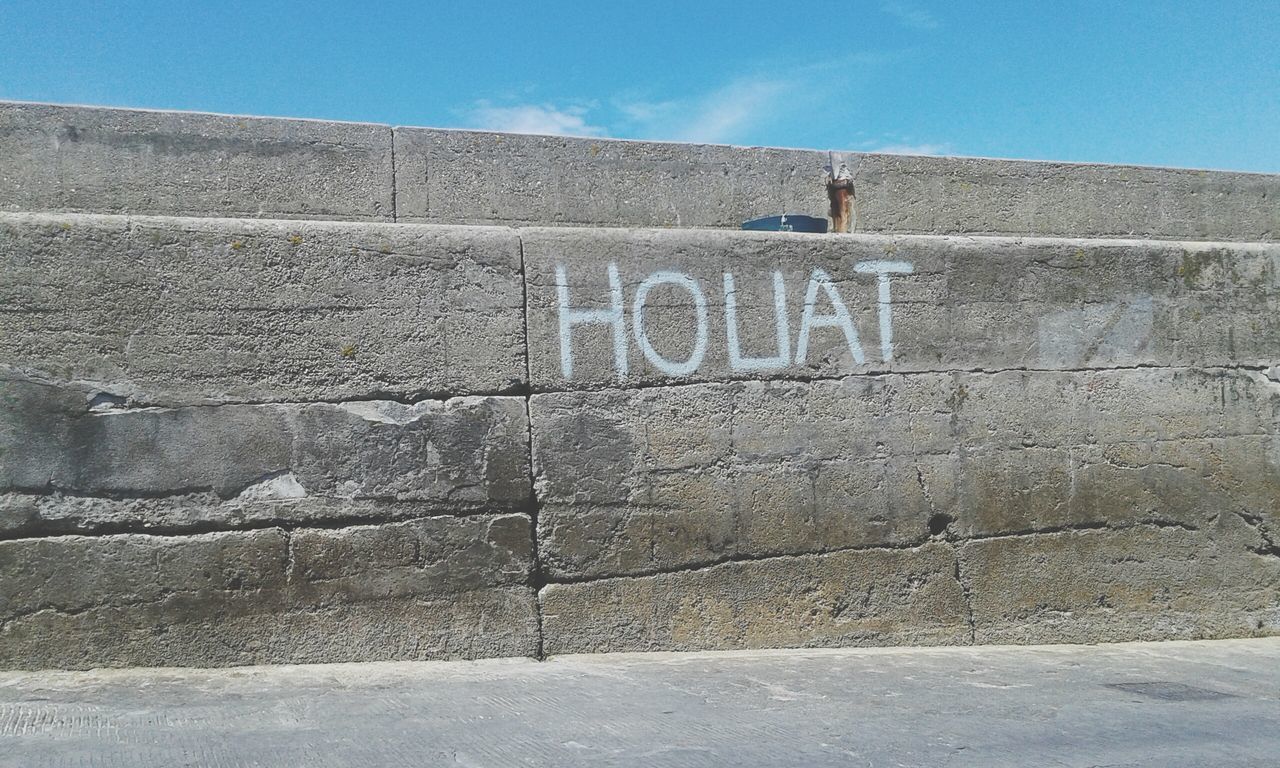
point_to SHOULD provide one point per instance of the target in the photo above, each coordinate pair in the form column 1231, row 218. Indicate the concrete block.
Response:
column 83, row 159
column 874, row 597
column 63, row 158
column 772, row 468
column 174, row 311
column 488, row 178
column 459, row 454
column 476, row 177
column 946, row 195
column 623, row 308
column 423, row 589
column 1142, row 583
column 437, row 554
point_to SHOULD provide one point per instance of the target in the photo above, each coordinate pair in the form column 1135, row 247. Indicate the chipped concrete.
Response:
column 462, row 453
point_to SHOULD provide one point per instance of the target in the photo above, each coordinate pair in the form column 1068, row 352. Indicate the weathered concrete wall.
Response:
column 173, row 311
column 1061, row 440
column 488, row 178
column 93, row 160
column 946, row 303
column 229, row 442
column 58, row 158
column 254, row 439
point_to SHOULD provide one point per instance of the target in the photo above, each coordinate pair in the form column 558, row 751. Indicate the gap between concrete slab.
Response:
column 952, row 541
column 523, row 389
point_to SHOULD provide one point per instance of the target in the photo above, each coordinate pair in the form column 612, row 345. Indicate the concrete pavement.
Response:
column 1157, row 704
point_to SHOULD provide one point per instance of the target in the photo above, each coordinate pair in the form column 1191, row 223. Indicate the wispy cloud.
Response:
column 914, row 149
column 647, row 111
column 909, row 15
column 771, row 92
column 534, row 118
column 735, row 110
column 726, row 114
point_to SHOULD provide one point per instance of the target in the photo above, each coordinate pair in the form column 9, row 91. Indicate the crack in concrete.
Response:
column 887, row 372
column 525, row 390
column 395, row 204
column 968, row 597
column 134, row 403
column 915, row 544
column 537, row 579
column 537, row 575
column 1269, row 546
column 201, row 528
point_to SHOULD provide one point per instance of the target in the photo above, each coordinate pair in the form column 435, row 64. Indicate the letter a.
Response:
column 838, row 319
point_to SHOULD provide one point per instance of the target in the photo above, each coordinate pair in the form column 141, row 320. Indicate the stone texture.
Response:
column 234, row 441
column 874, row 597
column 460, row 454
column 438, row 587
column 172, row 311
column 271, row 502
column 475, row 177
column 1139, row 705
column 487, row 178
column 638, row 481
column 969, row 303
column 945, row 195
column 62, row 158
column 1143, row 583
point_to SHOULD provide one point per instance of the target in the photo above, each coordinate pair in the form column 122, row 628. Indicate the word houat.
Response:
column 834, row 315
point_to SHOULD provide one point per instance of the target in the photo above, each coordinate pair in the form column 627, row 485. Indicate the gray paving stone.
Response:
column 1156, row 705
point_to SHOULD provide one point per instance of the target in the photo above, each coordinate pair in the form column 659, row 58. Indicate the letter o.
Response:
column 676, row 368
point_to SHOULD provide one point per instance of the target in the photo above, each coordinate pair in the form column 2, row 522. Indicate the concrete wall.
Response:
column 77, row 159
column 253, row 439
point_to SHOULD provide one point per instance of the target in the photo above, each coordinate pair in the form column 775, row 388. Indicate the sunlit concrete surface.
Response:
column 1159, row 704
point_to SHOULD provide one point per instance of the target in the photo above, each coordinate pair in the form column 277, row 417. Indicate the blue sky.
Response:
column 1182, row 82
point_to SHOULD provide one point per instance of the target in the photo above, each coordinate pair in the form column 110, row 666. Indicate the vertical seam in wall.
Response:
column 395, row 213
column 290, row 585
column 537, row 578
column 968, row 596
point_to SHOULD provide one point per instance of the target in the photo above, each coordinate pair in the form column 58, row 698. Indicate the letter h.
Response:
column 570, row 317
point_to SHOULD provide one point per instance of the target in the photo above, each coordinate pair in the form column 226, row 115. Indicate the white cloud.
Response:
column 732, row 111
column 534, row 118
column 727, row 113
column 648, row 111
column 914, row 149
column 909, row 15
column 723, row 115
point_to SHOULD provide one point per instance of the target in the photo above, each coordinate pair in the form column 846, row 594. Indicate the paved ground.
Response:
column 1166, row 704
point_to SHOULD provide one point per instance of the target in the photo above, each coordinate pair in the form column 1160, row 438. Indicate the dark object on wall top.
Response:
column 787, row 222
